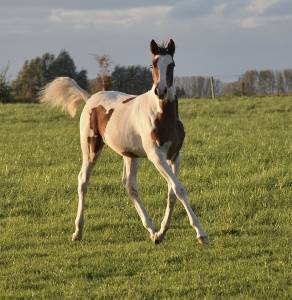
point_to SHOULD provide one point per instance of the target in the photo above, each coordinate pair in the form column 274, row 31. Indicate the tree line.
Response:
column 265, row 82
column 251, row 83
column 35, row 73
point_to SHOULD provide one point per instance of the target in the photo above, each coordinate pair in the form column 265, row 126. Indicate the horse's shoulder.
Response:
column 168, row 127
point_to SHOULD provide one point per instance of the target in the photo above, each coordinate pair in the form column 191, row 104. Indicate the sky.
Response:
column 223, row 38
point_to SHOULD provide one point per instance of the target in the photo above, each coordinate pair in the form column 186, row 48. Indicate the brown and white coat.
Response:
column 147, row 125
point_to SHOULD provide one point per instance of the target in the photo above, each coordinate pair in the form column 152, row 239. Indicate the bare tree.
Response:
column 104, row 64
column 288, row 80
column 280, row 82
column 266, row 82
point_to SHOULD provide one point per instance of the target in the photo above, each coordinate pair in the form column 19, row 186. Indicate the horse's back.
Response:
column 107, row 99
column 110, row 117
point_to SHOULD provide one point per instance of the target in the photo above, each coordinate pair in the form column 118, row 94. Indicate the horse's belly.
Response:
column 124, row 140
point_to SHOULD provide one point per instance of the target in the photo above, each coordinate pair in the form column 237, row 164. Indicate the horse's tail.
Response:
column 63, row 92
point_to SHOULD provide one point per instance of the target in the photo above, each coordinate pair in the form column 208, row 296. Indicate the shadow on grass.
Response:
column 231, row 231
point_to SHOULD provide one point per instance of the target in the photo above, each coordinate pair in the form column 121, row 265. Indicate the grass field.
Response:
column 236, row 167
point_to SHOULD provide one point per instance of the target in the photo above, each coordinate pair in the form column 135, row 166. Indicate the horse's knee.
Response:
column 82, row 186
column 82, row 176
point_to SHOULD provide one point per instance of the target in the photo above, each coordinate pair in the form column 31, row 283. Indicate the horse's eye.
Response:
column 150, row 66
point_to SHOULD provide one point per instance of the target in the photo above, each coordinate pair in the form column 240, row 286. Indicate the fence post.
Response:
column 212, row 87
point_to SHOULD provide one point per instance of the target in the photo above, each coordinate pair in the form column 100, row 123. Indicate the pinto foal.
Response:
column 147, row 125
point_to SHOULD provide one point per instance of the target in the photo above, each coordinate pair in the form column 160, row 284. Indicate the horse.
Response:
column 135, row 127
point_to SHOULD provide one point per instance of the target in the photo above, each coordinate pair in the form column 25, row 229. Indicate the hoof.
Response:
column 76, row 237
column 203, row 240
column 157, row 239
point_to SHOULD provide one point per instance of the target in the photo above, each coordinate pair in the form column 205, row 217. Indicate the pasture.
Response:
column 237, row 169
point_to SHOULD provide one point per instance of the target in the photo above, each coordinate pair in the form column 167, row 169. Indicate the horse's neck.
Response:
column 163, row 113
column 157, row 105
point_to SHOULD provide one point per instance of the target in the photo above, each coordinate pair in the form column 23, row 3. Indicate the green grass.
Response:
column 236, row 167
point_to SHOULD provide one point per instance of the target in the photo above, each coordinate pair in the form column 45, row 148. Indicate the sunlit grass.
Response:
column 236, row 167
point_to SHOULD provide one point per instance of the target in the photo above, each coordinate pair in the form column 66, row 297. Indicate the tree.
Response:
column 103, row 79
column 251, row 81
column 180, row 92
column 266, row 82
column 63, row 65
column 201, row 83
column 5, row 89
column 280, row 82
column 288, row 80
column 132, row 79
column 232, row 89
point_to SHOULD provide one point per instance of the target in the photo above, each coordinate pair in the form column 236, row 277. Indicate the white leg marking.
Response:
column 83, row 179
column 131, row 167
column 171, row 199
column 159, row 160
column 124, row 176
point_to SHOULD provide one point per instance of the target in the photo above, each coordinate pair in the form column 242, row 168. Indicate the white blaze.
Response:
column 163, row 62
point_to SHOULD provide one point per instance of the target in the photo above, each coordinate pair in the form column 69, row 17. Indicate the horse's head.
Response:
column 162, row 69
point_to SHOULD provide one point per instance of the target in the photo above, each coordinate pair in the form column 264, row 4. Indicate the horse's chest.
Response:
column 168, row 129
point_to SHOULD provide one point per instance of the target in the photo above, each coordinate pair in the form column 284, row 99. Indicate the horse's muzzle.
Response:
column 161, row 94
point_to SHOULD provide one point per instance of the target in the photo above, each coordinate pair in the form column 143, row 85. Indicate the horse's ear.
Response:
column 154, row 48
column 171, row 47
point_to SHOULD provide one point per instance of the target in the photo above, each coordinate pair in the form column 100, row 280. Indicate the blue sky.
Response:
column 219, row 37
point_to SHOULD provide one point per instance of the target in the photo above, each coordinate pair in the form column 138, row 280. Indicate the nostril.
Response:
column 160, row 93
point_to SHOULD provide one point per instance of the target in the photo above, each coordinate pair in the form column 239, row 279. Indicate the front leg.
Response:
column 130, row 183
column 171, row 199
column 158, row 158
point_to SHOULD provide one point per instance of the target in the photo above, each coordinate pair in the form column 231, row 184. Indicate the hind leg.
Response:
column 83, row 179
column 91, row 151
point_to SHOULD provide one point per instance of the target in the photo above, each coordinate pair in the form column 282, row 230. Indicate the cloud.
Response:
column 192, row 8
column 230, row 14
column 83, row 5
column 127, row 17
column 280, row 8
column 258, row 7
column 219, row 14
column 21, row 20
column 259, row 13
column 212, row 36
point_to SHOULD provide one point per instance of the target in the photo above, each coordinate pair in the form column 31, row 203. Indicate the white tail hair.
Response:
column 64, row 92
